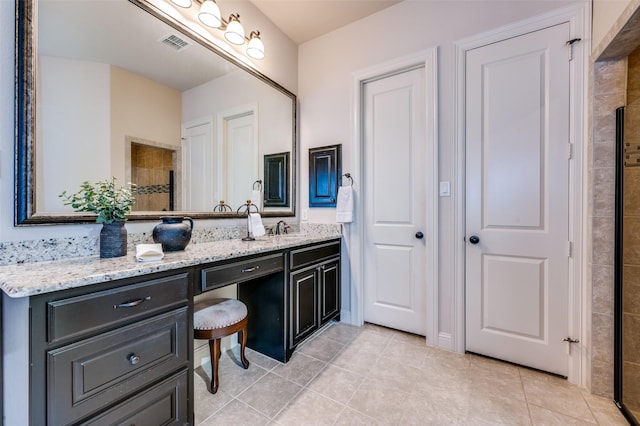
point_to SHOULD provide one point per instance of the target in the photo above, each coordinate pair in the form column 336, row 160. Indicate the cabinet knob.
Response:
column 133, row 359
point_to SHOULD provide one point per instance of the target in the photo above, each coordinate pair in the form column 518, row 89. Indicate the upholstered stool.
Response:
column 214, row 319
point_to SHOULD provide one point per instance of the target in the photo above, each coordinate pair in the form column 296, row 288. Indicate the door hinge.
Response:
column 570, row 44
column 569, row 249
column 569, row 151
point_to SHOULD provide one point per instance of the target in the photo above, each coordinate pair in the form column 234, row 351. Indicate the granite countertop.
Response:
column 28, row 279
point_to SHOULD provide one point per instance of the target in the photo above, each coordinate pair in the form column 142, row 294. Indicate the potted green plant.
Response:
column 111, row 204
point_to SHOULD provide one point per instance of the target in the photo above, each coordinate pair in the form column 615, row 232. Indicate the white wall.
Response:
column 326, row 89
column 77, row 128
column 280, row 64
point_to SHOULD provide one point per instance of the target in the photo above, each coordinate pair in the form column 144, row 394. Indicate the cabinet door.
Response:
column 329, row 290
column 303, row 286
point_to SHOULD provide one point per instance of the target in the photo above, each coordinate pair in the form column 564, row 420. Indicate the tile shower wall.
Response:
column 150, row 168
column 631, row 243
column 609, row 93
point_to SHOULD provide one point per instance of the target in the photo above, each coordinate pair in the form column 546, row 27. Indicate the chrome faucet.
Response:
column 284, row 228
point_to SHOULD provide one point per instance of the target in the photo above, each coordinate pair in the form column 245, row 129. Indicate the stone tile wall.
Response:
column 609, row 93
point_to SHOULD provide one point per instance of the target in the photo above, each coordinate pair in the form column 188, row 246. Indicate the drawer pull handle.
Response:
column 131, row 303
column 250, row 269
column 133, row 359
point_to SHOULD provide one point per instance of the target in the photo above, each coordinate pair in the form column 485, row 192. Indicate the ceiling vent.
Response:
column 175, row 42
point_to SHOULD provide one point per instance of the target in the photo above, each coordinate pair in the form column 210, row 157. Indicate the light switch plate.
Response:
column 445, row 189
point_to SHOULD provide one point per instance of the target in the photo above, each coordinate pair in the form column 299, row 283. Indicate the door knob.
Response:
column 419, row 235
column 474, row 239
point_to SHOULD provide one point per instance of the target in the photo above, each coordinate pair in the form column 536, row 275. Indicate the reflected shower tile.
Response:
column 602, row 289
column 602, row 337
column 604, row 410
column 603, row 196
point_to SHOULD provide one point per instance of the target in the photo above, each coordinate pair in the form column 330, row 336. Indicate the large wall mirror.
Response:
column 124, row 88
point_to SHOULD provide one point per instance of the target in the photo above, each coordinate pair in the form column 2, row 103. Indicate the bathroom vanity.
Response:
column 106, row 341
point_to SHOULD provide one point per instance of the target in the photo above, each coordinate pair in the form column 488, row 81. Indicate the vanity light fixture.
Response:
column 209, row 14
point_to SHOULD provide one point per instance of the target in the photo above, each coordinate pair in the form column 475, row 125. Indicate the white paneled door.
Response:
column 394, row 205
column 197, row 157
column 517, row 198
column 241, row 153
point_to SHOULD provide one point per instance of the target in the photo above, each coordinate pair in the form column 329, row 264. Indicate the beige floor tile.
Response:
column 542, row 416
column 206, row 403
column 237, row 414
column 555, row 394
column 372, row 375
column 321, row 348
column 311, row 409
column 409, row 354
column 350, row 417
column 233, row 379
column 436, row 408
column 357, row 359
column 270, row 394
column 604, row 410
column 336, row 383
column 376, row 400
column 300, row 369
column 341, row 332
column 396, row 375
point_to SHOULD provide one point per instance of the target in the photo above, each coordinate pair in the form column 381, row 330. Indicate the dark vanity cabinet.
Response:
column 314, row 289
column 120, row 352
column 113, row 354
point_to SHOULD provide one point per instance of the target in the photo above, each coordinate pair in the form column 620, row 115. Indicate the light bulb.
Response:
column 210, row 14
column 255, row 49
column 234, row 33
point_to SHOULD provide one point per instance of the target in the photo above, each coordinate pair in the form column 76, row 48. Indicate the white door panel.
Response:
column 198, row 176
column 517, row 135
column 394, row 202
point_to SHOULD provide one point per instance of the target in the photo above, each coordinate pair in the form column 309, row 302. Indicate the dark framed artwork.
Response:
column 276, row 180
column 325, row 164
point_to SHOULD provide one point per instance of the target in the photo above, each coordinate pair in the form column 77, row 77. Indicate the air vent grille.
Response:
column 175, row 42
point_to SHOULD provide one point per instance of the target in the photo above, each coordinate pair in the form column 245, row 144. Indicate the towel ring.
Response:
column 259, row 183
column 348, row 176
column 222, row 207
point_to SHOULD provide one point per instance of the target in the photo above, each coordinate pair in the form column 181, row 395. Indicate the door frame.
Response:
column 355, row 234
column 579, row 18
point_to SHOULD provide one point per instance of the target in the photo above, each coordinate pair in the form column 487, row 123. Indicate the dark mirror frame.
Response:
column 25, row 212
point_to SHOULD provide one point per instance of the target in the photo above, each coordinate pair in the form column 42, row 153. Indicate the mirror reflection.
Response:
column 121, row 93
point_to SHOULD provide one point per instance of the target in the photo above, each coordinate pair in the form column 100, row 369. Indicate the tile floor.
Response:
column 376, row 376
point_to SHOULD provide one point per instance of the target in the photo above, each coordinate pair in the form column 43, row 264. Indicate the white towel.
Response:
column 149, row 252
column 256, row 228
column 344, row 205
column 256, row 198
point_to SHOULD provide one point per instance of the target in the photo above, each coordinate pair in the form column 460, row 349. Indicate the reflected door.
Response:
column 198, row 175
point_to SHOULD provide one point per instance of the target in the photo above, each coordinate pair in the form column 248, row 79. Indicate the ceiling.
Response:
column 304, row 20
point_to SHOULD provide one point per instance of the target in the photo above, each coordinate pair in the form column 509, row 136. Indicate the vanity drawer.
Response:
column 86, row 376
column 244, row 270
column 163, row 404
column 299, row 258
column 93, row 312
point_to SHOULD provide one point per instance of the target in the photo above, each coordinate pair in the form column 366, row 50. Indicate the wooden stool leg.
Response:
column 242, row 334
column 214, row 350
